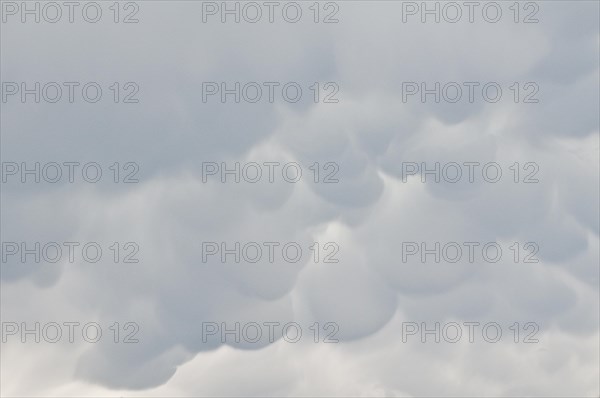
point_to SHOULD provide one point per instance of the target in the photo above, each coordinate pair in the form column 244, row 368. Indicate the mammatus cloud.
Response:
column 393, row 226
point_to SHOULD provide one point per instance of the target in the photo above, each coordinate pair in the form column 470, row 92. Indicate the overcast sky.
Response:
column 366, row 131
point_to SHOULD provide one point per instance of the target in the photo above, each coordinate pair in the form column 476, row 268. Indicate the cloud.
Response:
column 365, row 141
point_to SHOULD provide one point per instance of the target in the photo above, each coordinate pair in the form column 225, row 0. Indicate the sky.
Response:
column 351, row 198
